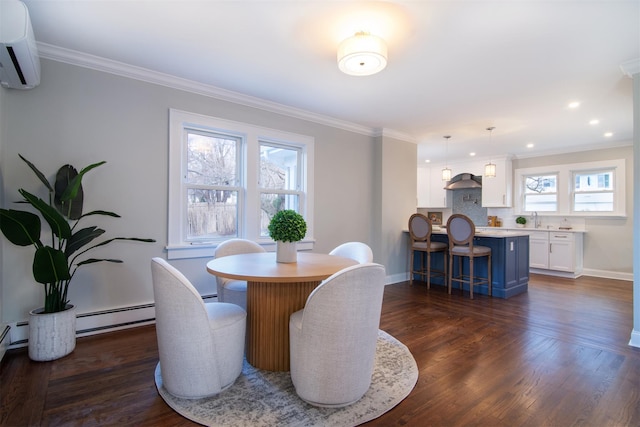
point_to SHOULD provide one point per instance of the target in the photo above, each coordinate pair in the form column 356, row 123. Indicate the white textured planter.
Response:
column 286, row 252
column 51, row 335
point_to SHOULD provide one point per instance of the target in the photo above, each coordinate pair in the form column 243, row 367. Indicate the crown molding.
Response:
column 390, row 133
column 68, row 56
column 631, row 67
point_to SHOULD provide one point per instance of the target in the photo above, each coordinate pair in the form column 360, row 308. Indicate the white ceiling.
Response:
column 455, row 67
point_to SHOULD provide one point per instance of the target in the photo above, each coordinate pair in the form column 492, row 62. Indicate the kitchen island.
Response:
column 509, row 262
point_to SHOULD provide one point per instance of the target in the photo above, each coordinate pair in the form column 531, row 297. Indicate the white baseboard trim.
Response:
column 396, row 278
column 97, row 322
column 635, row 339
column 608, row 274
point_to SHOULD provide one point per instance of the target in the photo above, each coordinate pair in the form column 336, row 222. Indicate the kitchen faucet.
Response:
column 534, row 216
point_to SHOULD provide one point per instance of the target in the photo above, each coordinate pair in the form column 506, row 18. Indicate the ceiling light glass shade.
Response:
column 490, row 170
column 362, row 55
column 446, row 174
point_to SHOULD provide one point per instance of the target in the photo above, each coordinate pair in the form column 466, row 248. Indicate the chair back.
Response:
column 182, row 329
column 460, row 230
column 333, row 352
column 233, row 247
column 420, row 228
column 237, row 246
column 356, row 251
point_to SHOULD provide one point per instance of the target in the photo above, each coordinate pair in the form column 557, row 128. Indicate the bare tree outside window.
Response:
column 279, row 181
column 541, row 193
column 212, row 180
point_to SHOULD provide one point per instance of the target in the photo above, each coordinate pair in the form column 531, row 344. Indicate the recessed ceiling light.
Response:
column 530, row 145
column 608, row 134
column 472, row 154
column 574, row 104
column 594, row 122
column 427, row 161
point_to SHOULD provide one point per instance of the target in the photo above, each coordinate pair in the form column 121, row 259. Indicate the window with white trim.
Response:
column 227, row 179
column 595, row 189
column 541, row 193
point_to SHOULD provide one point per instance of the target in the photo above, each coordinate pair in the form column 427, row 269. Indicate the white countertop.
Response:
column 490, row 232
column 529, row 229
column 505, row 231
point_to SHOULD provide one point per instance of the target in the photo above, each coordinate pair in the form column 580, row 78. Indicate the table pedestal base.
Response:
column 269, row 306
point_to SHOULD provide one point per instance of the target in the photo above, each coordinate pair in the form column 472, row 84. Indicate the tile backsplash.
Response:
column 469, row 202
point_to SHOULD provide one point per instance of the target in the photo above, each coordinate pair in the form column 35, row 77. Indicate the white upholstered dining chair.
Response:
column 357, row 251
column 231, row 290
column 333, row 339
column 201, row 345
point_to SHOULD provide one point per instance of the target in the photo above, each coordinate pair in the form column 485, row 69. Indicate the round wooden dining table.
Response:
column 275, row 291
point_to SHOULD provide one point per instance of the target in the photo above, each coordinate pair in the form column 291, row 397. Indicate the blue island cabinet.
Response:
column 509, row 263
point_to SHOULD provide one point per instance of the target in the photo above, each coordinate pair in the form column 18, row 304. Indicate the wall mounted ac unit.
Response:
column 19, row 62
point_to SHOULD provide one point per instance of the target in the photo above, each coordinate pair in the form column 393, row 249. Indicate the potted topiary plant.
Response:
column 287, row 227
column 52, row 328
column 521, row 221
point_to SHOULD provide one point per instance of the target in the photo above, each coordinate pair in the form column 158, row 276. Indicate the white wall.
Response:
column 81, row 116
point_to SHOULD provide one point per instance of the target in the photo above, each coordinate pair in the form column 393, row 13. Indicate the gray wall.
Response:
column 2, row 241
column 81, row 116
column 608, row 243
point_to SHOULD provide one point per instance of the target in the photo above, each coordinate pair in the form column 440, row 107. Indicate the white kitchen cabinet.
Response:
column 423, row 187
column 562, row 253
column 437, row 193
column 556, row 252
column 539, row 249
column 496, row 191
column 431, row 192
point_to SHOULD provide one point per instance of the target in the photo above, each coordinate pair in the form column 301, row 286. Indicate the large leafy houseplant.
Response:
column 55, row 264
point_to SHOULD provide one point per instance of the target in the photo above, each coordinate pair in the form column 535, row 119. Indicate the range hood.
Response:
column 464, row 181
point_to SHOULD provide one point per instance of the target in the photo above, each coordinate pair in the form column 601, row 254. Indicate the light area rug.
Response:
column 264, row 398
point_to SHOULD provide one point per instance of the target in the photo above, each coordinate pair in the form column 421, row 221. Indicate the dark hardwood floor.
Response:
column 556, row 356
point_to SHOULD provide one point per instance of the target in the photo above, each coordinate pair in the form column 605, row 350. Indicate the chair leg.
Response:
column 489, row 274
column 411, row 265
column 460, row 272
column 428, row 270
column 450, row 272
column 471, row 277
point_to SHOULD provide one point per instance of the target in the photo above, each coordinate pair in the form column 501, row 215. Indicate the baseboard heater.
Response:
column 99, row 322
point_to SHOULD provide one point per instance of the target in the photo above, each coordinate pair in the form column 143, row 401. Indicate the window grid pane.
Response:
column 211, row 185
column 279, row 166
column 271, row 203
column 211, row 214
column 540, row 193
column 593, row 191
column 212, row 159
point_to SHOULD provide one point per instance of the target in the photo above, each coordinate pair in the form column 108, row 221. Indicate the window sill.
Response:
column 206, row 250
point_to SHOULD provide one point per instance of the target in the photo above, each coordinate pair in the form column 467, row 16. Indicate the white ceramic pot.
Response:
column 286, row 252
column 51, row 335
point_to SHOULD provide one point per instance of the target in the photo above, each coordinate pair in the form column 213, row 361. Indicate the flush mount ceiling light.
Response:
column 490, row 168
column 446, row 172
column 362, row 55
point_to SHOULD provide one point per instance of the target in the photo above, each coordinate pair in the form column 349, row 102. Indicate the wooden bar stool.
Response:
column 461, row 231
column 420, row 229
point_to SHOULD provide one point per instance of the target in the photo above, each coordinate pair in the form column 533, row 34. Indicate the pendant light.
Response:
column 490, row 168
column 446, row 172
